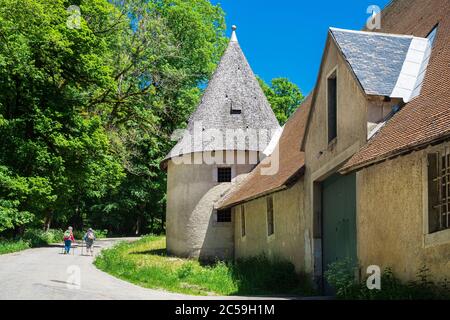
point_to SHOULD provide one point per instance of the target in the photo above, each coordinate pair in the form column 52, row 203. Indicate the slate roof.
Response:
column 376, row 59
column 426, row 118
column 291, row 164
column 233, row 86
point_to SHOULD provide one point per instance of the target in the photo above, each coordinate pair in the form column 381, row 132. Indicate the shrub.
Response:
column 37, row 237
column 99, row 234
column 9, row 246
column 392, row 288
column 341, row 276
column 259, row 275
column 78, row 234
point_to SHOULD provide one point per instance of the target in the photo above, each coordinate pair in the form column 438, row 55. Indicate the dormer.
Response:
column 389, row 68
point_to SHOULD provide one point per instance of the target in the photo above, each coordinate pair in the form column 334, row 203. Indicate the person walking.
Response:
column 68, row 239
column 89, row 239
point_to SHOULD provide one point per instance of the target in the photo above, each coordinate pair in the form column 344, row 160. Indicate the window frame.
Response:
column 219, row 169
column 441, row 185
column 431, row 239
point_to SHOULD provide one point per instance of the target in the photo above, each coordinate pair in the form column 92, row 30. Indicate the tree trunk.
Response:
column 138, row 225
column 48, row 220
column 78, row 218
column 152, row 224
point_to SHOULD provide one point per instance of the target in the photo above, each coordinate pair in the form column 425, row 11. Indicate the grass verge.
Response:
column 145, row 263
column 9, row 246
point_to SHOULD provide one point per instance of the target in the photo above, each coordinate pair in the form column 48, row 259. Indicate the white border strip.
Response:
column 415, row 64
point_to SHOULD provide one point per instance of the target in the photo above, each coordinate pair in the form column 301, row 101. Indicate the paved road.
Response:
column 46, row 274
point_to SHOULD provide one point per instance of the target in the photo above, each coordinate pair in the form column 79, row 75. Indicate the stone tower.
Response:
column 225, row 138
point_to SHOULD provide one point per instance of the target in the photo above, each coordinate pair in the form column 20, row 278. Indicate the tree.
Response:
column 284, row 97
column 161, row 81
column 86, row 110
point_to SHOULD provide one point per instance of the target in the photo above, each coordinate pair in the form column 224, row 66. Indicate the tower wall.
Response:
column 191, row 221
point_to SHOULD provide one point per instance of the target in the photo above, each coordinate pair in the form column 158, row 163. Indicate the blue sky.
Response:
column 285, row 38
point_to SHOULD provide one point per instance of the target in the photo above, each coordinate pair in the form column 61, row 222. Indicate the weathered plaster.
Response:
column 191, row 221
column 288, row 242
column 392, row 217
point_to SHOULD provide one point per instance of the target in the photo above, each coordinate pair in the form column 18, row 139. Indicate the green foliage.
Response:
column 99, row 234
column 86, row 113
column 39, row 238
column 284, row 97
column 9, row 246
column 341, row 276
column 263, row 276
column 19, row 194
column 145, row 263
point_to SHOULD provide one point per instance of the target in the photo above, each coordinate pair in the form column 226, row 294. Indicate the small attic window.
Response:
column 235, row 108
column 332, row 106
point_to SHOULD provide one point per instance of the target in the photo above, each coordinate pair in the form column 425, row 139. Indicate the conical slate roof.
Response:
column 232, row 102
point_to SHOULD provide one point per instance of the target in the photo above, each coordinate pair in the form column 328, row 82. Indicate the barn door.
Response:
column 338, row 221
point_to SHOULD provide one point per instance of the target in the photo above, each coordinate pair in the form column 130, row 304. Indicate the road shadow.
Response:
column 63, row 282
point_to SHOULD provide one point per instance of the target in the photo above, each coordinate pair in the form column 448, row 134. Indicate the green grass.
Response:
column 9, row 246
column 30, row 239
column 145, row 263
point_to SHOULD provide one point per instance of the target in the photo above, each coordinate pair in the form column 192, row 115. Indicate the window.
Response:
column 223, row 175
column 224, row 215
column 270, row 226
column 235, row 108
column 332, row 106
column 439, row 190
column 243, row 221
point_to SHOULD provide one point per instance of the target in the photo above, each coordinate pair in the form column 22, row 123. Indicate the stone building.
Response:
column 226, row 137
column 368, row 178
column 364, row 163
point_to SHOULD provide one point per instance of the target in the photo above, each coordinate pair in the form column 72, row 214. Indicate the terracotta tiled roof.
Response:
column 426, row 119
column 291, row 163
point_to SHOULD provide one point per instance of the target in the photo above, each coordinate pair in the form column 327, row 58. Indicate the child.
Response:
column 68, row 239
column 89, row 238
